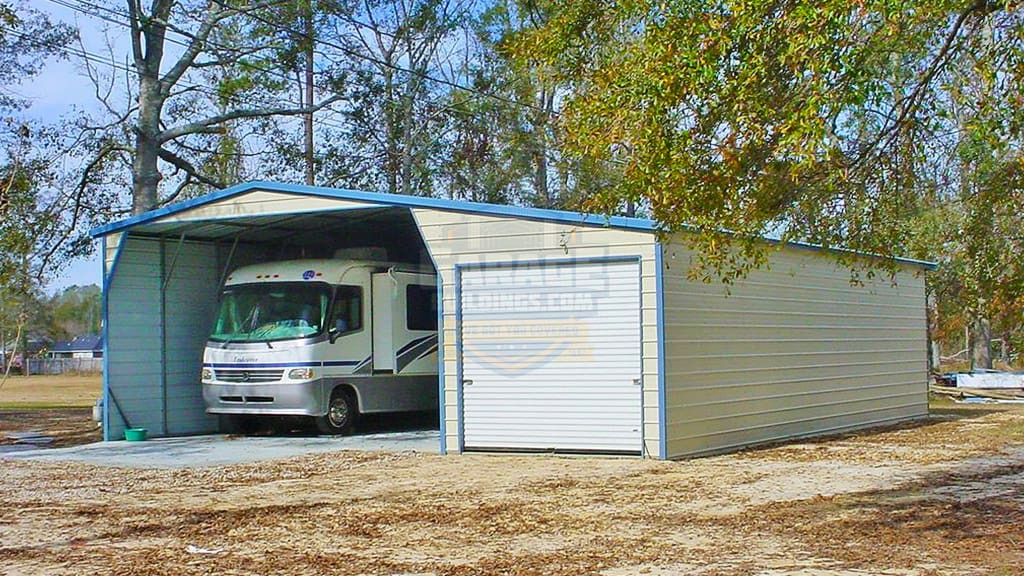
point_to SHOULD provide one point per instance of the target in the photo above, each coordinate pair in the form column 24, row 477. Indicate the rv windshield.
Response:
column 272, row 311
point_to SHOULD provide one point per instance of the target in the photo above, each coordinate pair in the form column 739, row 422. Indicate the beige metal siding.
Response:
column 460, row 238
column 261, row 203
column 793, row 350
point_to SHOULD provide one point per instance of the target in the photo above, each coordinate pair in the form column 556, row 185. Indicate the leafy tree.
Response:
column 972, row 191
column 32, row 215
column 300, row 64
column 28, row 38
column 507, row 148
column 523, row 134
column 34, row 224
column 810, row 121
column 977, row 239
column 76, row 311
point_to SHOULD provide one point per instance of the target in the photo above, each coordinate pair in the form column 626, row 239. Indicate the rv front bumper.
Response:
column 276, row 398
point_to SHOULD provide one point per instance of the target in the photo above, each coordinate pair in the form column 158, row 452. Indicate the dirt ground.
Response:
column 939, row 497
column 56, row 406
column 67, row 426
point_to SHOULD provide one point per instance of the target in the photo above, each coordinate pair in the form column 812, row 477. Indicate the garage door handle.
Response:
column 637, row 381
column 467, row 382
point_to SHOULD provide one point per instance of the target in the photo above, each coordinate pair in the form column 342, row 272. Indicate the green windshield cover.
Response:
column 272, row 311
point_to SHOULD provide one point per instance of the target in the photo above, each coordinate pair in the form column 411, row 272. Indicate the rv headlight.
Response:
column 300, row 374
column 207, row 374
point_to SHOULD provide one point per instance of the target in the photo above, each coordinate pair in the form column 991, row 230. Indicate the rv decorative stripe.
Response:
column 405, row 348
column 364, row 367
column 415, row 350
column 283, row 364
column 341, row 363
column 429, row 351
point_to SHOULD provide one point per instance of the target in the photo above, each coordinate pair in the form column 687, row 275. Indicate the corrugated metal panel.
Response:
column 156, row 339
column 551, row 356
column 463, row 238
column 192, row 275
column 133, row 334
column 793, row 350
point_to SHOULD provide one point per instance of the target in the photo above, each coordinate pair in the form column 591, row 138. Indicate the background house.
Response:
column 85, row 346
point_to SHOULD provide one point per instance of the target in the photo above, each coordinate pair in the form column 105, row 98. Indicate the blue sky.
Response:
column 61, row 88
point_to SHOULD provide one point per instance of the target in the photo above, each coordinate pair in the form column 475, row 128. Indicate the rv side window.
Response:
column 421, row 307
column 348, row 309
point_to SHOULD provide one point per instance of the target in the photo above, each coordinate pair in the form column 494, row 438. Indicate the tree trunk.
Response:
column 308, row 100
column 931, row 322
column 541, row 187
column 980, row 344
column 148, row 33
column 391, row 125
column 407, row 145
column 26, row 370
column 540, row 160
column 540, row 176
column 145, row 171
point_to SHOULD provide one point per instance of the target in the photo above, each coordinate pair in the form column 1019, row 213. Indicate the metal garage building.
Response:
column 559, row 331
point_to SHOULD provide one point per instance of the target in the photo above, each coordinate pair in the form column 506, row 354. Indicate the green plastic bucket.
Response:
column 135, row 434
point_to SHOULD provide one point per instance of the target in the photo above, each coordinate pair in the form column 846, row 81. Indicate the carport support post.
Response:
column 163, row 338
column 440, row 359
column 227, row 263
column 165, row 279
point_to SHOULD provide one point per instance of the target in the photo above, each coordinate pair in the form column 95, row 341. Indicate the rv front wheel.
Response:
column 341, row 414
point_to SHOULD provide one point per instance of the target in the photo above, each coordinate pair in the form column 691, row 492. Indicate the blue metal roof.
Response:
column 579, row 218
column 90, row 342
column 383, row 199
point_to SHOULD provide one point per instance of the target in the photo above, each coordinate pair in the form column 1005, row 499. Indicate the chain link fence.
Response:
column 65, row 365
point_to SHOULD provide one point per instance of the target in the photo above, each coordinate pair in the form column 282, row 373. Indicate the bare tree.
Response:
column 175, row 108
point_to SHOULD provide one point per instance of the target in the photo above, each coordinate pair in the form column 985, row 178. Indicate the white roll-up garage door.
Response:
column 551, row 357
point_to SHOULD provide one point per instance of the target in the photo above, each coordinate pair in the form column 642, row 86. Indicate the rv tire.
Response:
column 342, row 412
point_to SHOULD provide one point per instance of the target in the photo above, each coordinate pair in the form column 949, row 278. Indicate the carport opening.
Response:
column 232, row 243
column 310, row 235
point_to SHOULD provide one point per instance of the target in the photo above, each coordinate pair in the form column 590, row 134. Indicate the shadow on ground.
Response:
column 368, row 424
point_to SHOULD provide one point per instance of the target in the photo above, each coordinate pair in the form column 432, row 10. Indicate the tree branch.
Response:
column 190, row 170
column 911, row 102
column 216, row 11
column 195, row 47
column 78, row 194
column 205, row 126
column 134, row 14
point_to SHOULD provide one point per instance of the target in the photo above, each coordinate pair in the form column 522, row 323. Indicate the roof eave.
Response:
column 579, row 218
column 543, row 214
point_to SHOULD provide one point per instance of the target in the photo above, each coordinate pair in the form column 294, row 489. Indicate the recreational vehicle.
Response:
column 328, row 339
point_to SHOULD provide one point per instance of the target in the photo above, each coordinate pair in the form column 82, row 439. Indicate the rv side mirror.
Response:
column 339, row 328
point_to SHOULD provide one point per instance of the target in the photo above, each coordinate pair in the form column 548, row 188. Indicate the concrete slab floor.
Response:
column 220, row 450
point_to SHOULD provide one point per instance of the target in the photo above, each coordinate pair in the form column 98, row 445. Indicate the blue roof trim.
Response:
column 579, row 218
column 659, row 314
column 381, row 198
